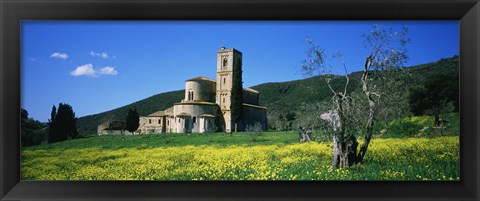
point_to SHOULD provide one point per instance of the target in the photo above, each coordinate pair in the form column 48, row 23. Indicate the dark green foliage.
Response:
column 62, row 125
column 33, row 132
column 434, row 94
column 237, row 93
column 436, row 90
column 51, row 124
column 404, row 127
column 23, row 114
column 87, row 125
column 283, row 97
column 132, row 120
column 291, row 116
column 116, row 125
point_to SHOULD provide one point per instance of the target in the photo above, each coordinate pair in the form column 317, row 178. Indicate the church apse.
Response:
column 207, row 103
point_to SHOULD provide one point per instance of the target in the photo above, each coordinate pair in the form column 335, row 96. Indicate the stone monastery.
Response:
column 206, row 106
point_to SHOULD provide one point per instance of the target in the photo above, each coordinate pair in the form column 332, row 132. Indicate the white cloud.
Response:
column 99, row 54
column 59, row 55
column 86, row 70
column 108, row 70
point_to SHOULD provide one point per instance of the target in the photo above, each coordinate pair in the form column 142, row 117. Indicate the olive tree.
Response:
column 355, row 111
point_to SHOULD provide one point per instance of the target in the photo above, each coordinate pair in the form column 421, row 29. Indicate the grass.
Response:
column 221, row 156
column 172, row 140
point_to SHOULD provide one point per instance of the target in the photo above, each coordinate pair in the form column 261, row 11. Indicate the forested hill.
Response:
column 87, row 125
column 290, row 98
column 281, row 98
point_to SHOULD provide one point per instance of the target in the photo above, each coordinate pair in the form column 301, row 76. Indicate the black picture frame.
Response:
column 12, row 12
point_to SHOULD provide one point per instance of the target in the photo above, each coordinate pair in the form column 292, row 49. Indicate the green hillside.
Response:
column 87, row 125
column 284, row 98
column 280, row 98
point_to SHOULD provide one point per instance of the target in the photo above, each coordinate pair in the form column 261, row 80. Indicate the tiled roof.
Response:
column 202, row 78
column 157, row 114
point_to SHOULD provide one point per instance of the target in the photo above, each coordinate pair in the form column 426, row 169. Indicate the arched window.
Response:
column 159, row 121
column 149, row 121
column 194, row 119
column 178, row 120
column 224, row 79
column 225, row 62
column 190, row 95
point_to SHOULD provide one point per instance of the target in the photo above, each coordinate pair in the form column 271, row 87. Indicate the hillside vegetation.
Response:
column 87, row 125
column 282, row 99
column 296, row 98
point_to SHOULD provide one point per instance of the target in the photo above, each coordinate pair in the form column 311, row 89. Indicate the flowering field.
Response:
column 275, row 156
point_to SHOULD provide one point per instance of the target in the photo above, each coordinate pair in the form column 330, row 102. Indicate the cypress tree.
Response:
column 63, row 123
column 237, row 93
column 52, row 126
column 132, row 120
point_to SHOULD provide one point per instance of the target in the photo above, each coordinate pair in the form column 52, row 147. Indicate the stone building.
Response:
column 153, row 123
column 206, row 105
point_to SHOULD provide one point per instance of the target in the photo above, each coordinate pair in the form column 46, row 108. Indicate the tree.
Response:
column 52, row 126
column 25, row 130
column 290, row 117
column 433, row 97
column 132, row 120
column 31, row 130
column 62, row 125
column 254, row 131
column 353, row 113
column 237, row 93
column 282, row 124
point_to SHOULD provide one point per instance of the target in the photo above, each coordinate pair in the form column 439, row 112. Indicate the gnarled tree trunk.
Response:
column 344, row 151
column 344, row 148
column 371, row 114
column 305, row 134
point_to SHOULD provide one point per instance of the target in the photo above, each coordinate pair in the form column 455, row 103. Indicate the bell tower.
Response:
column 228, row 60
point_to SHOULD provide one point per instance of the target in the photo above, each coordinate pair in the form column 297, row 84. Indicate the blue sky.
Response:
column 98, row 66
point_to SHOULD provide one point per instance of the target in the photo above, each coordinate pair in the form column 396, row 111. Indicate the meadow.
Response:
column 222, row 156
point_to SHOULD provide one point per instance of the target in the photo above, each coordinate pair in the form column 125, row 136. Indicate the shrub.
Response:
column 410, row 126
column 254, row 131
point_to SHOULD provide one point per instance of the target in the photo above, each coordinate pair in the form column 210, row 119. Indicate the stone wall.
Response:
column 203, row 90
column 151, row 124
column 187, row 116
column 116, row 132
column 253, row 114
column 250, row 97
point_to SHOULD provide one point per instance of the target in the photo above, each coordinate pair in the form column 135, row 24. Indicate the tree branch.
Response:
column 348, row 80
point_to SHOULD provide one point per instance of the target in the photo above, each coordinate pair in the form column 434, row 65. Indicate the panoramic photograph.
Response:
column 238, row 100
